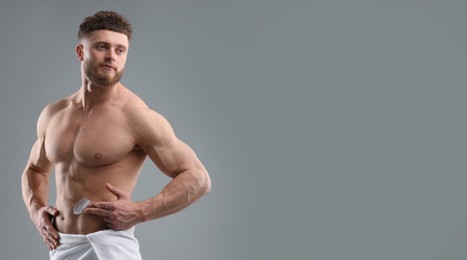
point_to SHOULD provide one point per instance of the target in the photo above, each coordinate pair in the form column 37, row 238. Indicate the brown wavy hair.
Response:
column 105, row 20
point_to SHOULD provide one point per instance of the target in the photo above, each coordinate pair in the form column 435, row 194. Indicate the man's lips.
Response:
column 108, row 66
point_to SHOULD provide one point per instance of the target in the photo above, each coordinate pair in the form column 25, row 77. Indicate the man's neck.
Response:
column 91, row 95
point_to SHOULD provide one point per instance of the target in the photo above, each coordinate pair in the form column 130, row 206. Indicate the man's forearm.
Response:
column 182, row 191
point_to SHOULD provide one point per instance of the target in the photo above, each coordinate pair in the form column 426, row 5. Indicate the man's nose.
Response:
column 110, row 55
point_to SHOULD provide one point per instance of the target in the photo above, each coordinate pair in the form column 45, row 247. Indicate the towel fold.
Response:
column 101, row 245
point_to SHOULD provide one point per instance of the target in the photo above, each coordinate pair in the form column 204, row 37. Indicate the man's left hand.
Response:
column 119, row 215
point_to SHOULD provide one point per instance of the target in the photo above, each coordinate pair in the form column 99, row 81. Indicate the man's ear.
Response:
column 80, row 52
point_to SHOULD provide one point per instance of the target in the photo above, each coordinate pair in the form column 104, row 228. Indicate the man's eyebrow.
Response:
column 102, row 42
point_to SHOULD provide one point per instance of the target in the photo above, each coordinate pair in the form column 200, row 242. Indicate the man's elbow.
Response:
column 205, row 183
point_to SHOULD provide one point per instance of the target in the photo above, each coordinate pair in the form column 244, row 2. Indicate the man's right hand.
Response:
column 43, row 222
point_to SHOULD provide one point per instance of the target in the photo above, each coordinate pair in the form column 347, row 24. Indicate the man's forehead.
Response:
column 114, row 38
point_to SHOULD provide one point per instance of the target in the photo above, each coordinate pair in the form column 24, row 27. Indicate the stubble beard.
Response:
column 102, row 80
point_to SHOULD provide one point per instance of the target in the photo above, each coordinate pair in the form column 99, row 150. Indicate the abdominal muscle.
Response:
column 69, row 223
column 90, row 182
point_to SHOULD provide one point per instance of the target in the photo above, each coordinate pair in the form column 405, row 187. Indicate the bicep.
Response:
column 174, row 158
column 38, row 160
column 171, row 155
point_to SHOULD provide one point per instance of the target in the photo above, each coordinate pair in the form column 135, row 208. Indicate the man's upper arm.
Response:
column 38, row 159
column 157, row 138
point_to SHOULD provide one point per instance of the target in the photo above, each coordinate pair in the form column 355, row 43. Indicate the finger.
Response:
column 97, row 211
column 48, row 231
column 51, row 210
column 54, row 242
column 110, row 225
column 49, row 243
column 49, row 239
column 115, row 227
column 101, row 205
column 50, row 228
column 52, row 231
column 119, row 193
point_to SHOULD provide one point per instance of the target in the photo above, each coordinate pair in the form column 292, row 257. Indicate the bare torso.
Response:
column 97, row 140
column 90, row 149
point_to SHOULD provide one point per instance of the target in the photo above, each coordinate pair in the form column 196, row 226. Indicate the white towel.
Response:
column 101, row 245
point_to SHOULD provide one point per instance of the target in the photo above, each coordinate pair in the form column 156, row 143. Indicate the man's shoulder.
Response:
column 56, row 106
column 136, row 109
column 144, row 119
column 49, row 112
column 139, row 112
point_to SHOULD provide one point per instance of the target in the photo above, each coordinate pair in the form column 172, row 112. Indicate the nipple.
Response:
column 98, row 156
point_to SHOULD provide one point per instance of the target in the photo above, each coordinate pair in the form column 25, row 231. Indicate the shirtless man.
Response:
column 97, row 139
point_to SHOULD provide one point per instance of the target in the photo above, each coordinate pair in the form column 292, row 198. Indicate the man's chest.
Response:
column 98, row 139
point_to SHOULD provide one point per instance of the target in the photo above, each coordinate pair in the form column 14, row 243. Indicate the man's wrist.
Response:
column 34, row 210
column 143, row 211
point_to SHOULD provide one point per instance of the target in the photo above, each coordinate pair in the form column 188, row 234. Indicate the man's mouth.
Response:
column 108, row 66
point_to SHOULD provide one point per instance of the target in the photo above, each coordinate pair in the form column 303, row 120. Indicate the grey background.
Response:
column 331, row 129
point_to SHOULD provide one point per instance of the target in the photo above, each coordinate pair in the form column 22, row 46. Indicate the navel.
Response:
column 98, row 156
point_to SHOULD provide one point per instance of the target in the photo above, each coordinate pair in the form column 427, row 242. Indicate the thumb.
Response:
column 119, row 193
column 51, row 210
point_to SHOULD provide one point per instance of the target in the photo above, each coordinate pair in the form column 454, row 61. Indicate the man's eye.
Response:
column 101, row 46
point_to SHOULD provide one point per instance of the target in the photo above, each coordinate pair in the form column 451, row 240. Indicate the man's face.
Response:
column 104, row 56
